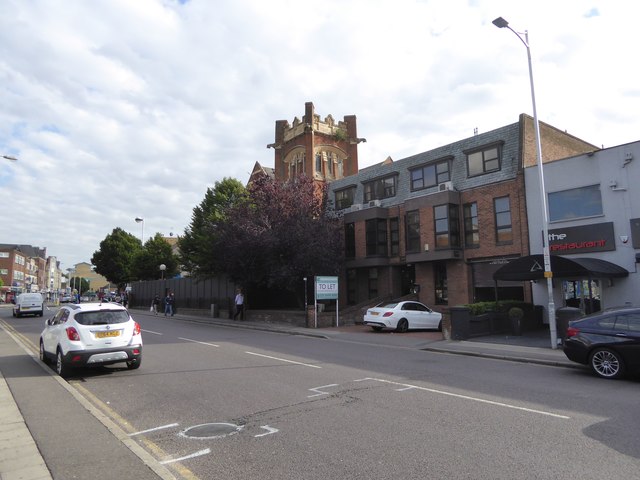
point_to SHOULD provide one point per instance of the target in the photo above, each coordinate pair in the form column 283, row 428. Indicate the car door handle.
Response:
column 621, row 335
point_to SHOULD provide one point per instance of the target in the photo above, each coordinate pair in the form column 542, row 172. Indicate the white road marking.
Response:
column 283, row 360
column 196, row 341
column 187, row 457
column 154, row 429
column 151, row 331
column 467, row 397
column 269, row 429
column 320, row 392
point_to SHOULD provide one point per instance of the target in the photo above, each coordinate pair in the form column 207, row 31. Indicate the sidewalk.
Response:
column 20, row 458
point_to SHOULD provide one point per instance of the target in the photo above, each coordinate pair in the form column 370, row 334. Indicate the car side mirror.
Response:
column 48, row 322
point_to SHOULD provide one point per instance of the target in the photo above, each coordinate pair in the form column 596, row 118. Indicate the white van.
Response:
column 28, row 304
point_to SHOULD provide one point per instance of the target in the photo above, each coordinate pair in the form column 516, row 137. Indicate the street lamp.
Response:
column 9, row 157
column 305, row 297
column 141, row 220
column 502, row 23
column 162, row 267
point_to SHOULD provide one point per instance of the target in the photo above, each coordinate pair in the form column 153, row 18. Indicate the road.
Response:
column 212, row 402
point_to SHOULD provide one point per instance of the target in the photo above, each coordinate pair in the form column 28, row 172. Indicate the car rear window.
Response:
column 389, row 305
column 103, row 317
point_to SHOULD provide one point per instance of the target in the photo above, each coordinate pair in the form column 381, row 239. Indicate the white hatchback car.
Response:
column 91, row 334
column 402, row 316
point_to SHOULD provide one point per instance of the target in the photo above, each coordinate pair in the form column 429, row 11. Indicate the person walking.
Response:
column 239, row 305
column 168, row 305
column 155, row 303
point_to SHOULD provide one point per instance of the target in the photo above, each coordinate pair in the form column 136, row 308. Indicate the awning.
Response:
column 531, row 267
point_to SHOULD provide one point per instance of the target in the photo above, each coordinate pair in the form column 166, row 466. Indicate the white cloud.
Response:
column 118, row 109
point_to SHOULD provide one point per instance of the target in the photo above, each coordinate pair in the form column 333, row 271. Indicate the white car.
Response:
column 91, row 334
column 28, row 304
column 402, row 316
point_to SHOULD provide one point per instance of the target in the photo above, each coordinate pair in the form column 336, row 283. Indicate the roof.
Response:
column 531, row 267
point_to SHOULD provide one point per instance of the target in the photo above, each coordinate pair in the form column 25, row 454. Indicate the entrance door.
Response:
column 407, row 279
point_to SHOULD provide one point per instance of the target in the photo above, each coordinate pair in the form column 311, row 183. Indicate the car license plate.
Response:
column 374, row 313
column 108, row 333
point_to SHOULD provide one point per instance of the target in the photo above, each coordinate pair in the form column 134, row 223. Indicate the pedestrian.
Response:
column 173, row 304
column 168, row 305
column 239, row 305
column 154, row 304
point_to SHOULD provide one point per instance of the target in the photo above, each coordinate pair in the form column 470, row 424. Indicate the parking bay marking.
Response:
column 407, row 386
column 283, row 360
column 197, row 341
column 171, row 425
column 320, row 392
column 206, row 451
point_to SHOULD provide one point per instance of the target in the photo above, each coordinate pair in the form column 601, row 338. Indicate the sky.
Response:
column 117, row 109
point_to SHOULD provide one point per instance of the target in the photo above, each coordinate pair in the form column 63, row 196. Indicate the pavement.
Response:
column 22, row 459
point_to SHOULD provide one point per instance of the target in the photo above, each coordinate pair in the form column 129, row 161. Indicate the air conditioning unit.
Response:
column 444, row 186
column 374, row 203
column 355, row 207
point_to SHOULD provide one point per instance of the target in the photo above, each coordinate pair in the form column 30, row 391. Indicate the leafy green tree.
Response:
column 80, row 284
column 156, row 252
column 198, row 254
column 115, row 258
column 283, row 233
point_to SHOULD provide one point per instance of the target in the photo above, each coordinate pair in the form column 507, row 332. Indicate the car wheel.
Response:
column 377, row 329
column 134, row 364
column 403, row 325
column 606, row 363
column 61, row 368
column 43, row 354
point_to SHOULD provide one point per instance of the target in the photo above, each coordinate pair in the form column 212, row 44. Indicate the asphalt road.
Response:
column 212, row 402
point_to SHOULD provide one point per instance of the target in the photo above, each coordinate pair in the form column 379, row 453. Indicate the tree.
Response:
column 197, row 253
column 282, row 234
column 156, row 252
column 114, row 260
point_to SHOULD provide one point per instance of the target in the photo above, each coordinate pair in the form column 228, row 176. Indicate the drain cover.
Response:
column 211, row 430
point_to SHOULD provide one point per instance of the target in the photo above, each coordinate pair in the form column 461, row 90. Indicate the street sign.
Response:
column 326, row 288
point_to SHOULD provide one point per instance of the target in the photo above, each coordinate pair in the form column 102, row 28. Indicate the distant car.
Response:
column 66, row 299
column 402, row 316
column 91, row 334
column 607, row 341
column 28, row 304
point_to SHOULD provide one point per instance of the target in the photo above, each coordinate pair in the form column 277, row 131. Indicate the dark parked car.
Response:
column 607, row 341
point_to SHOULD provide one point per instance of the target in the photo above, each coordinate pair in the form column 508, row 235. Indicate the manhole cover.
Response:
column 211, row 430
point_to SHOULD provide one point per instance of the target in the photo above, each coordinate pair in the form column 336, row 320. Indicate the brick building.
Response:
column 23, row 268
column 441, row 222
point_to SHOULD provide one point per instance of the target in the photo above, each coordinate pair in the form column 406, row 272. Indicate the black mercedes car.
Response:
column 607, row 341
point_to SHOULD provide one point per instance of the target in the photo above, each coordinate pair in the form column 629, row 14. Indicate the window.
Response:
column 376, row 236
column 484, row 161
column 380, row 188
column 413, row 231
column 344, row 198
column 471, row 231
column 394, row 236
column 503, row 220
column 4, row 254
column 349, row 240
column 430, row 175
column 447, row 228
column 575, row 203
column 319, row 162
column 351, row 286
column 330, row 158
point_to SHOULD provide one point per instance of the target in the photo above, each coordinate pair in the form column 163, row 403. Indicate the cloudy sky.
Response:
column 118, row 109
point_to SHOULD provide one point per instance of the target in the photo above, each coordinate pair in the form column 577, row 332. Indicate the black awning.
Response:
column 531, row 267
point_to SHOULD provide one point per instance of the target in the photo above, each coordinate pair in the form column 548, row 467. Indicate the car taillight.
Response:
column 72, row 334
column 387, row 314
column 572, row 332
column 136, row 328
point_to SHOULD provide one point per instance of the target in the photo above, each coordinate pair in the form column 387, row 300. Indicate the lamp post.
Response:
column 524, row 38
column 141, row 220
column 10, row 158
column 305, row 298
column 162, row 267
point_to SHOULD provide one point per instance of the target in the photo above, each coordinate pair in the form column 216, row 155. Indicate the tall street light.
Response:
column 10, row 158
column 141, row 220
column 524, row 38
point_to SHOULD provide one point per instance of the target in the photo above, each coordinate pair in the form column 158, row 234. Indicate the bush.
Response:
column 501, row 306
